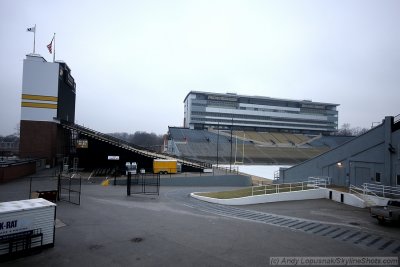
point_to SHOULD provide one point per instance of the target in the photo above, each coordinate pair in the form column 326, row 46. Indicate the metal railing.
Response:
column 361, row 191
column 311, row 183
column 276, row 175
column 227, row 170
column 355, row 190
column 382, row 190
column 320, row 180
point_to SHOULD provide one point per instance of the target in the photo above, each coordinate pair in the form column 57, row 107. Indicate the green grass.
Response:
column 228, row 194
column 245, row 192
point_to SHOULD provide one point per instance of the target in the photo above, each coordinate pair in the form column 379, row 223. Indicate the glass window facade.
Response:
column 204, row 110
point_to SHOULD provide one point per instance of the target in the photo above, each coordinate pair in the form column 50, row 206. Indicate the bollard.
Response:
column 128, row 184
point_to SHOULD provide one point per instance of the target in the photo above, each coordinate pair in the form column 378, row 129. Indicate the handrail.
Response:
column 320, row 180
column 369, row 192
column 382, row 190
column 276, row 175
column 375, row 190
column 355, row 189
column 289, row 187
column 361, row 191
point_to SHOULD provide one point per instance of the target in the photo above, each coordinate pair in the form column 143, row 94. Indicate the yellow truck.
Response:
column 165, row 166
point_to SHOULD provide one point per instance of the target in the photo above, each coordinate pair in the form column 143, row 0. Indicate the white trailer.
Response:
column 26, row 225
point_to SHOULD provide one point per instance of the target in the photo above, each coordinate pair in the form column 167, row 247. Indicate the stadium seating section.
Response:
column 249, row 147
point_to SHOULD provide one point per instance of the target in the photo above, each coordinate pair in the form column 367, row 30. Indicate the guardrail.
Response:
column 320, row 180
column 382, row 190
column 361, row 191
column 311, row 183
column 276, row 175
column 355, row 190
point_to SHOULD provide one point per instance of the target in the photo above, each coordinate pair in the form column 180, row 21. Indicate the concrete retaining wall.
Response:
column 342, row 197
column 205, row 180
column 377, row 201
column 286, row 196
column 220, row 180
column 345, row 198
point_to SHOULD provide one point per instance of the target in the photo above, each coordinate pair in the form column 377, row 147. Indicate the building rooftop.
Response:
column 234, row 95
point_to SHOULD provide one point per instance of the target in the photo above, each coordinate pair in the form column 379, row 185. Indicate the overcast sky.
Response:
column 135, row 61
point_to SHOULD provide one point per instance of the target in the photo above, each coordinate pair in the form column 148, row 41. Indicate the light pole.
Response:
column 230, row 159
column 217, row 143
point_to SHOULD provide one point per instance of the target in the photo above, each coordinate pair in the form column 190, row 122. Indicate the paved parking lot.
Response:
column 326, row 210
column 112, row 229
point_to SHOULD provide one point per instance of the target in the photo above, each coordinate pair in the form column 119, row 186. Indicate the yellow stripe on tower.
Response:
column 38, row 105
column 39, row 97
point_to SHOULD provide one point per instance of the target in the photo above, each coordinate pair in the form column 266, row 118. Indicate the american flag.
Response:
column 32, row 29
column 50, row 46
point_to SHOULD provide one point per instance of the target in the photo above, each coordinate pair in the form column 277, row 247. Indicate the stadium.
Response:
column 238, row 129
column 218, row 129
column 248, row 147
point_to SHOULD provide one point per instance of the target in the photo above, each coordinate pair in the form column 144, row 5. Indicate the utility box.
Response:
column 26, row 225
column 131, row 167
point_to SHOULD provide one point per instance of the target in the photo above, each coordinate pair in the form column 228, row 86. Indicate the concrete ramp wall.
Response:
column 318, row 193
column 203, row 181
column 217, row 180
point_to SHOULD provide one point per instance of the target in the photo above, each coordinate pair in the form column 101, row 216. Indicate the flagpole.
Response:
column 54, row 54
column 34, row 39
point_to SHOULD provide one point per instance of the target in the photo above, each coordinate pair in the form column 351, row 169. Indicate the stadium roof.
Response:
column 305, row 101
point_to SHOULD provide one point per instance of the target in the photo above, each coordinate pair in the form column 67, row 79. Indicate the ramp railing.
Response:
column 382, row 190
column 320, row 181
column 290, row 187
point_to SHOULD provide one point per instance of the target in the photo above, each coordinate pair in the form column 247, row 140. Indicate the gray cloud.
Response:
column 135, row 61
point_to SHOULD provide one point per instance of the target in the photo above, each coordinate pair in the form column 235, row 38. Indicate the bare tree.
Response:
column 359, row 131
column 347, row 130
column 17, row 130
column 144, row 139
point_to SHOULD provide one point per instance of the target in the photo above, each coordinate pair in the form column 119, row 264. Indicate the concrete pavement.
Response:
column 111, row 229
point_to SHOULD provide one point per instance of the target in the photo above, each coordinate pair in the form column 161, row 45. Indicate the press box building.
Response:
column 48, row 97
column 256, row 113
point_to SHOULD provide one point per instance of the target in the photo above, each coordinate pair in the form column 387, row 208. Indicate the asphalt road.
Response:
column 112, row 229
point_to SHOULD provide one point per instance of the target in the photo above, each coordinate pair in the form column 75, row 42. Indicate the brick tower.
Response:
column 48, row 98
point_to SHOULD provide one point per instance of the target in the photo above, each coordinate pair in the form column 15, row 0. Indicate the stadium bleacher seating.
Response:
column 258, row 147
